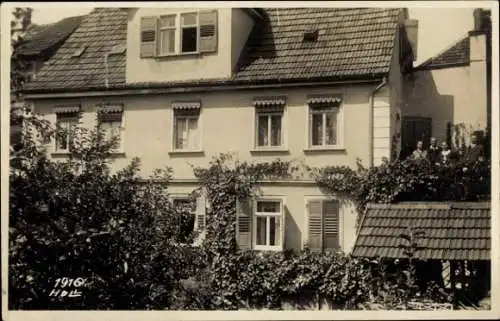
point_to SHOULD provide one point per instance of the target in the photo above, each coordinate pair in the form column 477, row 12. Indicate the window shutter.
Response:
column 148, row 37
column 244, row 223
column 314, row 226
column 331, row 224
column 201, row 214
column 208, row 31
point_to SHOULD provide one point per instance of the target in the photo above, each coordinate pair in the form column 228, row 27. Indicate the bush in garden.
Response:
column 75, row 218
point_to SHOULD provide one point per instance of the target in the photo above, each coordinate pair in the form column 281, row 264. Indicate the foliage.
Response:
column 76, row 218
column 21, row 18
column 407, row 180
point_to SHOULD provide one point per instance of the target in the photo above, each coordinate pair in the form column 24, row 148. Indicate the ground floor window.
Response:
column 268, row 229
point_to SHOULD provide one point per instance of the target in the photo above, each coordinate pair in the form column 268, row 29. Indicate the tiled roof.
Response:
column 352, row 43
column 42, row 37
column 452, row 231
column 456, row 55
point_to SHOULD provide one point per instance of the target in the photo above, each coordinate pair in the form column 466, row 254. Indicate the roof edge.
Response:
column 209, row 85
column 431, row 205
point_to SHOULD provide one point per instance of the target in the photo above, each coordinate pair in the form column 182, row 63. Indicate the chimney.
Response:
column 411, row 27
column 478, row 19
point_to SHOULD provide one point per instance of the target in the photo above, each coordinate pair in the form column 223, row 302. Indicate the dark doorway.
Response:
column 415, row 129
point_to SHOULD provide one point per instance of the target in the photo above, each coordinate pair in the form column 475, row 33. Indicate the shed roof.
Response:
column 452, row 231
column 352, row 43
column 456, row 55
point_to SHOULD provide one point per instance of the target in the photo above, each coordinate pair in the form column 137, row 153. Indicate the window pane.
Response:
column 188, row 19
column 180, row 133
column 261, row 230
column 62, row 135
column 189, row 39
column 268, row 207
column 274, row 230
column 263, row 130
column 167, row 21
column 276, row 130
column 167, row 39
column 193, row 133
column 317, row 129
column 331, row 128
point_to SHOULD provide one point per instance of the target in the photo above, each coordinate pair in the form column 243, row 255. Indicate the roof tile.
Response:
column 352, row 42
column 457, row 54
column 455, row 232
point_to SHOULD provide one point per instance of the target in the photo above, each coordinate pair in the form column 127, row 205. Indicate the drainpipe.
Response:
column 372, row 103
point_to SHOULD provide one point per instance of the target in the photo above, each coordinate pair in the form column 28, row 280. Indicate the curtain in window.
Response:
column 317, row 129
column 263, row 130
column 193, row 135
column 276, row 130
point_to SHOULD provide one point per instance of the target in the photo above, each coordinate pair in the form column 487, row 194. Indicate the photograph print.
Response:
column 264, row 158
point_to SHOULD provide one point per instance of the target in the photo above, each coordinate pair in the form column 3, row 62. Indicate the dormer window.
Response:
column 179, row 33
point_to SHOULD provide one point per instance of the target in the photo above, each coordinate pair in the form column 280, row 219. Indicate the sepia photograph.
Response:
column 266, row 157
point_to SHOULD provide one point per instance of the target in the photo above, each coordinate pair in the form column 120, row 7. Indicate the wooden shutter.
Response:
column 314, row 226
column 331, row 224
column 148, row 37
column 200, row 214
column 208, row 31
column 244, row 223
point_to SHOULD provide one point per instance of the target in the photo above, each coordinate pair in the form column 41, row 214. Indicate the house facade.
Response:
column 449, row 95
column 181, row 86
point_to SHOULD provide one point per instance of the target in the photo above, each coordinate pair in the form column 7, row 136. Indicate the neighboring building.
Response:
column 40, row 42
column 180, row 86
column 450, row 89
column 453, row 246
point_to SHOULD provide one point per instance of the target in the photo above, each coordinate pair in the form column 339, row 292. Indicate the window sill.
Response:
column 264, row 248
column 180, row 54
column 325, row 149
column 187, row 151
column 269, row 150
column 60, row 153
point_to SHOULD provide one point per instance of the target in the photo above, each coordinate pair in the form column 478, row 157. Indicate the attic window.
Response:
column 311, row 35
column 79, row 51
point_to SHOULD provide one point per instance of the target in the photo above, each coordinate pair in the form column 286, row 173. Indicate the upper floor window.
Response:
column 179, row 33
column 110, row 122
column 269, row 122
column 186, row 126
column 66, row 121
column 325, row 121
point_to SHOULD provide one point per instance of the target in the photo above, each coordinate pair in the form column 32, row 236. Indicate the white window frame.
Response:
column 178, row 34
column 340, row 128
column 280, row 215
column 72, row 121
column 162, row 29
column 322, row 198
column 182, row 27
column 120, row 148
column 174, row 132
column 269, row 115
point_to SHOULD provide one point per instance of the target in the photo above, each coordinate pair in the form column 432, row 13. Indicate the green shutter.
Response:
column 148, row 37
column 244, row 223
column 208, row 31
column 331, row 224
column 315, row 226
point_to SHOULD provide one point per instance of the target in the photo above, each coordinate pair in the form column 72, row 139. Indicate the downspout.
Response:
column 371, row 122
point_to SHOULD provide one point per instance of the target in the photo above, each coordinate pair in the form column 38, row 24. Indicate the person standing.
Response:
column 434, row 152
column 419, row 153
column 444, row 154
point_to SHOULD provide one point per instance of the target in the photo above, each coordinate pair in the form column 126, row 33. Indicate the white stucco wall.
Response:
column 227, row 125
column 242, row 25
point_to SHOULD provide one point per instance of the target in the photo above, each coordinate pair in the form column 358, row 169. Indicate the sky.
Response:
column 439, row 28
